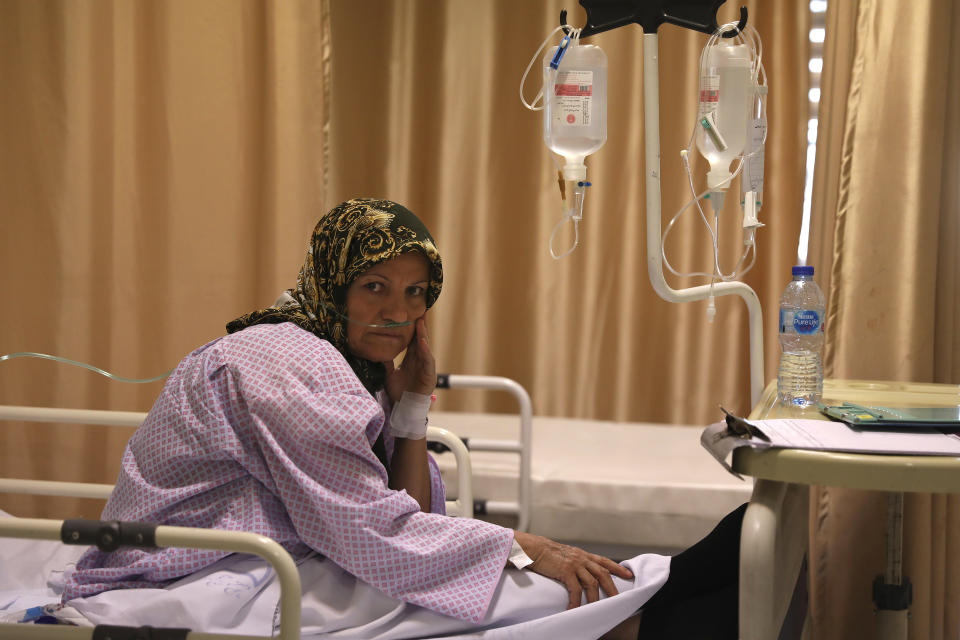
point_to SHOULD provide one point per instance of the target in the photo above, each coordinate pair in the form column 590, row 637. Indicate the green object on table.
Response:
column 857, row 415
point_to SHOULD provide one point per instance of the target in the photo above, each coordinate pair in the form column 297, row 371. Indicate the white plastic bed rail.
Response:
column 234, row 541
column 462, row 506
column 521, row 446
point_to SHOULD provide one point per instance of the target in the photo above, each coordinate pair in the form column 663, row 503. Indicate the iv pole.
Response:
column 699, row 15
column 651, row 116
column 767, row 499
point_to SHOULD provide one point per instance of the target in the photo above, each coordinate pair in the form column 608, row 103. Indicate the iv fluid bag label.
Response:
column 574, row 98
column 709, row 94
column 802, row 321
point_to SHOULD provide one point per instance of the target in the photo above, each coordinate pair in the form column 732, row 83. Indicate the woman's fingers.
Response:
column 426, row 368
column 613, row 567
column 574, row 589
column 590, row 582
column 603, row 577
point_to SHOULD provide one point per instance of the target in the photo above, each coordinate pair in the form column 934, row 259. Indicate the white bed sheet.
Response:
column 239, row 595
column 615, row 483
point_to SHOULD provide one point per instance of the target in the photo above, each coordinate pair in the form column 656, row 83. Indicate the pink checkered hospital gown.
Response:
column 268, row 430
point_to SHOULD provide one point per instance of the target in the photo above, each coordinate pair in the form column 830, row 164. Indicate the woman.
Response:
column 298, row 426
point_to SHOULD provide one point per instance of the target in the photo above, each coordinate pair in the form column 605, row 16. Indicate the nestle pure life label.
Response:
column 802, row 321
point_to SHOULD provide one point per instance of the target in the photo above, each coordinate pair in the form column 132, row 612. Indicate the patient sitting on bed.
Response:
column 297, row 426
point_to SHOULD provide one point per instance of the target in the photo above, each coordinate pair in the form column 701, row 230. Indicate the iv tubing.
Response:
column 651, row 107
column 718, row 273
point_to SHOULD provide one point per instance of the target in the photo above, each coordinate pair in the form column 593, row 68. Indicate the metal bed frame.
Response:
column 110, row 535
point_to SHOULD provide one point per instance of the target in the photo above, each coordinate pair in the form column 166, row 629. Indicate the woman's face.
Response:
column 390, row 291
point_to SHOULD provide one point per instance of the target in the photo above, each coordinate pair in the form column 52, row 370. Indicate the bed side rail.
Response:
column 522, row 446
column 109, row 536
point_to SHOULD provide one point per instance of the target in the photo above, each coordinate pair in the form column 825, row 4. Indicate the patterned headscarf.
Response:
column 348, row 240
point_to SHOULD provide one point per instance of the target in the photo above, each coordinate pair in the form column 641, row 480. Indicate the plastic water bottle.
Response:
column 802, row 306
column 575, row 112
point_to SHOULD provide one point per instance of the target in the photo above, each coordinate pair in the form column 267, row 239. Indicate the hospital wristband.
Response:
column 518, row 556
column 409, row 416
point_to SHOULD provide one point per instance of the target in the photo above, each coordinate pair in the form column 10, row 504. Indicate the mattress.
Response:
column 608, row 485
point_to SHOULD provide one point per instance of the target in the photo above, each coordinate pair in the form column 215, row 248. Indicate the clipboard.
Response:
column 856, row 415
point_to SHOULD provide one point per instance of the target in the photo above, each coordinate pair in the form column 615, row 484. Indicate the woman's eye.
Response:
column 415, row 290
column 374, row 287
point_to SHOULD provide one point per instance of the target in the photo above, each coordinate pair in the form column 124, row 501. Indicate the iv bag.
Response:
column 726, row 94
column 575, row 105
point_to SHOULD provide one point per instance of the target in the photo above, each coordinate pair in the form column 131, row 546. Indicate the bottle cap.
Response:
column 803, row 270
column 575, row 170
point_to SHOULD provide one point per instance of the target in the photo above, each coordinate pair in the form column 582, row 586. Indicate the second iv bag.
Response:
column 725, row 101
column 575, row 105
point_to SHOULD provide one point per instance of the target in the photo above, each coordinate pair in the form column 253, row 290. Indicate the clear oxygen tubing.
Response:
column 115, row 377
column 574, row 211
column 84, row 365
column 385, row 325
column 651, row 107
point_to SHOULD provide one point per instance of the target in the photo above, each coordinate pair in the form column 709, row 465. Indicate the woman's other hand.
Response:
column 418, row 370
column 582, row 573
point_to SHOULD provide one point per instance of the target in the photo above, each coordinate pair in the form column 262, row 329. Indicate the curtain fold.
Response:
column 161, row 165
column 885, row 238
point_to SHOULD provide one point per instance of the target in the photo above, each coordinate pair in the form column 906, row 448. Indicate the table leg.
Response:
column 772, row 546
column 892, row 593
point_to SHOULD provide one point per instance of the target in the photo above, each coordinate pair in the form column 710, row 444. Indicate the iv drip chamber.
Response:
column 575, row 105
column 725, row 105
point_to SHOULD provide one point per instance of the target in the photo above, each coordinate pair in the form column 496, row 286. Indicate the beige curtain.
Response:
column 164, row 162
column 426, row 110
column 161, row 167
column 885, row 210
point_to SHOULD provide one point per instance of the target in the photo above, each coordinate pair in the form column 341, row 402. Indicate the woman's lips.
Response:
column 386, row 336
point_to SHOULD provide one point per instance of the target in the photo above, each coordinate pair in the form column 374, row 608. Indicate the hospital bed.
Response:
column 110, row 535
column 655, row 490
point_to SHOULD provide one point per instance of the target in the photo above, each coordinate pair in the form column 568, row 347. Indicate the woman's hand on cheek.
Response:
column 418, row 371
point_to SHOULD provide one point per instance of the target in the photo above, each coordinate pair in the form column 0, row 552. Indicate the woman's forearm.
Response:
column 409, row 470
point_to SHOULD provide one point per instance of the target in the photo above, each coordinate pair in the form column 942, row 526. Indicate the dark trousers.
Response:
column 699, row 601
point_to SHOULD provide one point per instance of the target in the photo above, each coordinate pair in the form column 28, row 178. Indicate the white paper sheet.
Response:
column 823, row 435
column 826, row 435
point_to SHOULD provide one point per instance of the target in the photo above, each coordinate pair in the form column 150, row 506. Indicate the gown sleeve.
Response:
column 313, row 425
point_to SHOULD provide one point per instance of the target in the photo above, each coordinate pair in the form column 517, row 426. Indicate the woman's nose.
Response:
column 395, row 310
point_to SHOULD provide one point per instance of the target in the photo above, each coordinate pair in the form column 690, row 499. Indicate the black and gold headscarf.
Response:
column 348, row 240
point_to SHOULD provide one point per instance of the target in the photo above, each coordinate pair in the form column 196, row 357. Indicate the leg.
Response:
column 709, row 565
column 704, row 616
column 700, row 598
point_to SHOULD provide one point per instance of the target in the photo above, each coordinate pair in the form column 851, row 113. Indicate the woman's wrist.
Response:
column 408, row 419
column 518, row 557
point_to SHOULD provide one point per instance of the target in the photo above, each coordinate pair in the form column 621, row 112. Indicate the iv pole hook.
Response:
column 698, row 15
